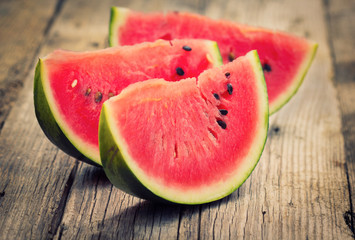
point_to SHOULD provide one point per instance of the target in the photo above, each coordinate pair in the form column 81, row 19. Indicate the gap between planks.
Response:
column 341, row 35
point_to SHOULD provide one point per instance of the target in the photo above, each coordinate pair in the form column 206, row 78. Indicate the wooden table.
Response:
column 303, row 187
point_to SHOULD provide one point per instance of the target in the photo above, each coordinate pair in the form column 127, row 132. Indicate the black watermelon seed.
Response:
column 276, row 129
column 179, row 71
column 98, row 97
column 231, row 57
column 267, row 67
column 223, row 111
column 186, row 48
column 222, row 124
column 227, row 74
column 230, row 88
column 216, row 96
column 88, row 91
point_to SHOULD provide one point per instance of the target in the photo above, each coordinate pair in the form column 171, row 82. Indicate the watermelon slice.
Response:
column 70, row 87
column 285, row 58
column 198, row 141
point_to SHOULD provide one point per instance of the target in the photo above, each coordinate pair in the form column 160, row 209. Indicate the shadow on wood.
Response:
column 149, row 220
column 91, row 176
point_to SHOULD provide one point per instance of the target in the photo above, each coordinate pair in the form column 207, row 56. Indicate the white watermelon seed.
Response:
column 74, row 83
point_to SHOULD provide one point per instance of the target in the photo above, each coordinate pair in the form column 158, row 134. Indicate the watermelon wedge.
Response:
column 285, row 58
column 199, row 139
column 70, row 87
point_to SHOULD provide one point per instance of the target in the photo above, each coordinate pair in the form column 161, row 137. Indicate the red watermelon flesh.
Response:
column 70, row 87
column 199, row 139
column 285, row 58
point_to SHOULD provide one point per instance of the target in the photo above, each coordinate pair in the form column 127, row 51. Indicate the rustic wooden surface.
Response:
column 303, row 187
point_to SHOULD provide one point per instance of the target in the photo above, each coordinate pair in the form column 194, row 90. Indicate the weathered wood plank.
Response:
column 23, row 27
column 342, row 42
column 35, row 175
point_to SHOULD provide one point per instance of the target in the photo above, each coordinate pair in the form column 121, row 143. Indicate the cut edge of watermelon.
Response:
column 52, row 122
column 117, row 19
column 284, row 98
column 150, row 189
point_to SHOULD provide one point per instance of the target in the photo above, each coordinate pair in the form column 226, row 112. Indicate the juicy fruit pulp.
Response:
column 285, row 58
column 199, row 139
column 70, row 87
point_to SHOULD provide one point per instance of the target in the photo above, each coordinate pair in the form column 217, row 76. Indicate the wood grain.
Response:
column 23, row 27
column 342, row 44
column 34, row 174
column 302, row 188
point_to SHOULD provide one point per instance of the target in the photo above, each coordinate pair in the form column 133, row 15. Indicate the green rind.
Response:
column 117, row 18
column 115, row 166
column 297, row 84
column 47, row 121
column 123, row 177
